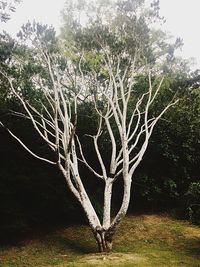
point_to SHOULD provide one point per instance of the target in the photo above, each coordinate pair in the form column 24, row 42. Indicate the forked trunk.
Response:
column 104, row 240
column 104, row 234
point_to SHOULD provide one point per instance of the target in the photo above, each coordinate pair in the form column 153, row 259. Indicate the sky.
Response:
column 182, row 20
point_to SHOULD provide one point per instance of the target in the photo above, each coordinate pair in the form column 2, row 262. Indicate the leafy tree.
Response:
column 7, row 6
column 171, row 162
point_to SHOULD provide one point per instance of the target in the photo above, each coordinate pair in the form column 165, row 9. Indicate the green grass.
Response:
column 142, row 241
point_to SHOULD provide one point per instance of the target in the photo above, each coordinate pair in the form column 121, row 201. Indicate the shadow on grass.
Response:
column 77, row 246
column 193, row 247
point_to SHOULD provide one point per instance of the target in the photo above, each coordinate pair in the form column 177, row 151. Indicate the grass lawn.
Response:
column 143, row 241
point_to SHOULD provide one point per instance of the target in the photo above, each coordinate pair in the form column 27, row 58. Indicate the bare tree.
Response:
column 121, row 114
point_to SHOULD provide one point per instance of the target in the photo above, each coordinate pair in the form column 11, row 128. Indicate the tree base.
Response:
column 104, row 240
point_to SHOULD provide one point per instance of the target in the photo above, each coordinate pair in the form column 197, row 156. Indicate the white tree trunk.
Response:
column 107, row 203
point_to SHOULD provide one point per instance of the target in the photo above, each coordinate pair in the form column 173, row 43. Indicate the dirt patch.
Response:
column 113, row 259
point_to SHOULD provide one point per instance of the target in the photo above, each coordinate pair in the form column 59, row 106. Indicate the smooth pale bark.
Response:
column 124, row 206
column 107, row 203
column 90, row 212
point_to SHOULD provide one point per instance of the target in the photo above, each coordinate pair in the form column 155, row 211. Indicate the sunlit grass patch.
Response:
column 112, row 259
